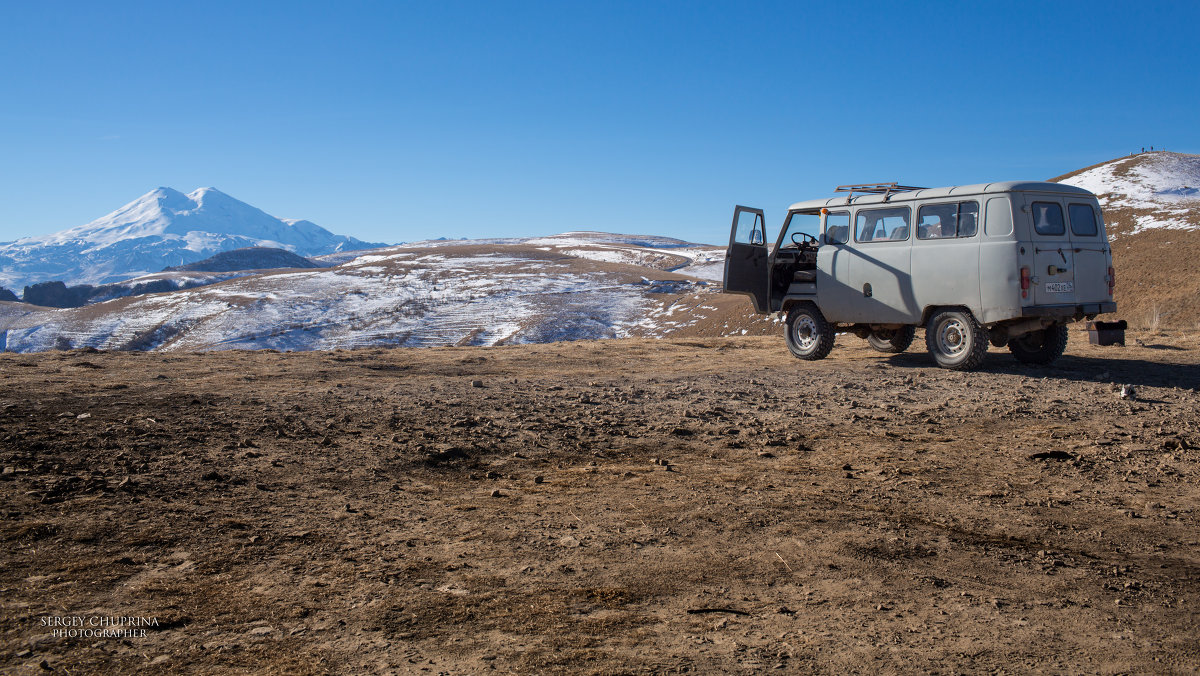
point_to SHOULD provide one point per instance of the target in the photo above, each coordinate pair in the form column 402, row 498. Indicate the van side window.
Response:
column 1048, row 219
column 1083, row 219
column 837, row 227
column 877, row 225
column 938, row 221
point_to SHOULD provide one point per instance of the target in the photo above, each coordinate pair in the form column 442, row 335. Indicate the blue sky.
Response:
column 395, row 121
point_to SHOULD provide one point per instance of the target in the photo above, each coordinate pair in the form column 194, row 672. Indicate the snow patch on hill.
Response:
column 453, row 293
column 1165, row 183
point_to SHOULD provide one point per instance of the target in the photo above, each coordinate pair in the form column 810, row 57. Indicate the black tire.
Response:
column 1040, row 347
column 809, row 336
column 956, row 341
column 892, row 341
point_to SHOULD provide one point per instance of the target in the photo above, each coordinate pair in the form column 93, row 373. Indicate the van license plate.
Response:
column 1060, row 287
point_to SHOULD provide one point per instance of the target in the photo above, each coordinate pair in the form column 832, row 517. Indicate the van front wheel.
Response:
column 809, row 336
column 1040, row 347
column 891, row 341
column 956, row 340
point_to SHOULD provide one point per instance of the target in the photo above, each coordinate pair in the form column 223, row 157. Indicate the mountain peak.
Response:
column 162, row 227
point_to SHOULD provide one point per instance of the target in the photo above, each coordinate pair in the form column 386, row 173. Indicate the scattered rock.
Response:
column 766, row 454
column 539, row 479
column 261, row 631
column 497, row 494
column 476, row 383
column 213, row 475
column 1051, row 455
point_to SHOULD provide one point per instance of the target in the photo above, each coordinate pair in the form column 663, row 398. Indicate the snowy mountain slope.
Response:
column 444, row 293
column 1157, row 189
column 661, row 253
column 164, row 227
column 1151, row 207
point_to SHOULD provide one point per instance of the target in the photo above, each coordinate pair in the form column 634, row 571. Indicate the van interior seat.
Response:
column 900, row 233
column 805, row 276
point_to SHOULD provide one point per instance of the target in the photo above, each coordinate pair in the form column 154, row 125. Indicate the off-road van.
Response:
column 1007, row 263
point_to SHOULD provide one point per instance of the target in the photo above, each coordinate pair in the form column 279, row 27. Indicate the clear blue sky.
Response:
column 395, row 121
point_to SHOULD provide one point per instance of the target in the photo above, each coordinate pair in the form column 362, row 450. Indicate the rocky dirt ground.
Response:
column 707, row 505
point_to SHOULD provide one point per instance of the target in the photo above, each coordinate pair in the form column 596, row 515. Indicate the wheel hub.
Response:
column 804, row 332
column 953, row 337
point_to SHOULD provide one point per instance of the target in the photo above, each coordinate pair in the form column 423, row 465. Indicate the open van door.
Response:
column 747, row 264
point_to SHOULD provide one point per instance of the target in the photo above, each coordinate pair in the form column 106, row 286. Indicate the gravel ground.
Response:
column 708, row 505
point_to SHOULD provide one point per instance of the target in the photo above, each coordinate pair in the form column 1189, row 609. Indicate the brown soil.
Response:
column 710, row 506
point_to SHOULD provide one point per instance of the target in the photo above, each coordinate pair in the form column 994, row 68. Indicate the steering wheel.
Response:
column 805, row 238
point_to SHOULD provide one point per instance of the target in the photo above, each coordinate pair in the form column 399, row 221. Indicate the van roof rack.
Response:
column 885, row 189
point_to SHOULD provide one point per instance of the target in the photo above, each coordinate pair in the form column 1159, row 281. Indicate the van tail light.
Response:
column 1112, row 280
column 1025, row 282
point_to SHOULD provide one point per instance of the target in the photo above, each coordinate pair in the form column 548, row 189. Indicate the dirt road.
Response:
column 601, row 507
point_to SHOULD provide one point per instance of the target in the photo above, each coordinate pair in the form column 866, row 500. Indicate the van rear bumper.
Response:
column 1077, row 311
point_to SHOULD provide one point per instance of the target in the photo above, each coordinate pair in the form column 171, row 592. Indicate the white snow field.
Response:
column 460, row 292
column 1162, row 187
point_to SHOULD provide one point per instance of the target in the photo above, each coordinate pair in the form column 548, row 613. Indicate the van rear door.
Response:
column 1053, row 253
column 747, row 264
column 1091, row 251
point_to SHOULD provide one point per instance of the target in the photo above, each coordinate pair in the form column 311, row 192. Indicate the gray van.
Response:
column 1007, row 263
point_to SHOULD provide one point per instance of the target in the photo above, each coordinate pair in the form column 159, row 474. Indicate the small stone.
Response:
column 497, row 494
column 847, row 467
column 539, row 479
column 766, row 454
column 10, row 470
column 259, row 631
column 493, row 475
column 24, row 653
column 476, row 383
column 83, row 416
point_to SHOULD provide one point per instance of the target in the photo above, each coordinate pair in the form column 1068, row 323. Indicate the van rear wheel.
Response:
column 1040, row 347
column 956, row 341
column 809, row 336
column 892, row 341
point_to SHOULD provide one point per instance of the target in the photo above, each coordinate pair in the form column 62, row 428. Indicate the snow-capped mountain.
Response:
column 162, row 228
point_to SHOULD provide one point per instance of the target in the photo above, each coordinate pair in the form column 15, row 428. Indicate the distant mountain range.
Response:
column 162, row 228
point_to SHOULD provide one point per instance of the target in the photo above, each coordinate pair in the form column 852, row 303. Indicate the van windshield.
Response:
column 799, row 224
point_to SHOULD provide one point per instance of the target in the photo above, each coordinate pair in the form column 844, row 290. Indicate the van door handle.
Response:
column 1055, row 270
